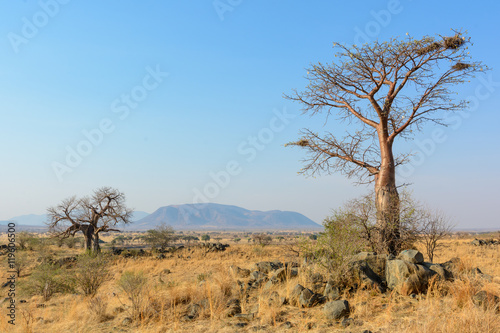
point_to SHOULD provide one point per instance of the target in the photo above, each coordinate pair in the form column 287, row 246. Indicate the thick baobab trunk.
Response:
column 387, row 204
column 97, row 247
column 88, row 235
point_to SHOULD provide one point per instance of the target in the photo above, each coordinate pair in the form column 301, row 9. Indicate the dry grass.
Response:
column 192, row 276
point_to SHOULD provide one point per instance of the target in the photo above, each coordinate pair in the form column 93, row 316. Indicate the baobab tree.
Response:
column 384, row 91
column 92, row 215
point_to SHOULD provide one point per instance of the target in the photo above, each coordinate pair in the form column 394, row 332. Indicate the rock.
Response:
column 256, row 275
column 439, row 270
column 452, row 267
column 362, row 272
column 308, row 298
column 331, row 291
column 127, row 321
column 347, row 322
column 271, row 282
column 486, row 300
column 233, row 307
column 239, row 272
column 336, row 310
column 407, row 278
column 267, row 266
column 295, row 294
column 376, row 262
column 412, row 256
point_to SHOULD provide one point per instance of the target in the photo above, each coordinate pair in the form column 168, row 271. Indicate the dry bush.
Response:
column 134, row 285
column 91, row 272
column 98, row 306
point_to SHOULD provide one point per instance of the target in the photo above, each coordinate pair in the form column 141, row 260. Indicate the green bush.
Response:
column 46, row 280
column 334, row 247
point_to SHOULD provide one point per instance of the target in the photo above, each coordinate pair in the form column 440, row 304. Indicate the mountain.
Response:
column 212, row 216
column 39, row 220
column 30, row 219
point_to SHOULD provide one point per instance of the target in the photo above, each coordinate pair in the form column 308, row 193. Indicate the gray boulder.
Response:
column 412, row 256
column 336, row 310
column 295, row 294
column 308, row 298
column 331, row 291
column 376, row 262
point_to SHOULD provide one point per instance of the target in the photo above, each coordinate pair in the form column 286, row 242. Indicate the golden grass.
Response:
column 196, row 277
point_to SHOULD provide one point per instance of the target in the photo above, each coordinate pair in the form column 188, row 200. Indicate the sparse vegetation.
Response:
column 192, row 290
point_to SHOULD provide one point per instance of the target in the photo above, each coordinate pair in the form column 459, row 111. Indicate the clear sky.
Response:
column 158, row 98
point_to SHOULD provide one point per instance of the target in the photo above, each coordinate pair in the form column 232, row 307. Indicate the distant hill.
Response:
column 212, row 216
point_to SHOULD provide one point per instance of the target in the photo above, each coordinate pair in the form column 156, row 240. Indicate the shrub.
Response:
column 134, row 286
column 97, row 306
column 70, row 242
column 46, row 280
column 91, row 273
column 334, row 247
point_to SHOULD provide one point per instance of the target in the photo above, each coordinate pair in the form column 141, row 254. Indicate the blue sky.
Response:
column 208, row 78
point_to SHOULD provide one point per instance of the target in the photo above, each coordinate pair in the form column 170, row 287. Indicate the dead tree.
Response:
column 384, row 91
column 92, row 215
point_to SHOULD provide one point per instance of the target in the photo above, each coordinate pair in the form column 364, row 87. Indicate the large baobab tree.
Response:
column 384, row 90
column 92, row 215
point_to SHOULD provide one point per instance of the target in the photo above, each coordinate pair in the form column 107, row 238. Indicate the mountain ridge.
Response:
column 212, row 216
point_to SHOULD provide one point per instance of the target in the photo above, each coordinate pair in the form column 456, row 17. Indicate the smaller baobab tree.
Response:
column 101, row 212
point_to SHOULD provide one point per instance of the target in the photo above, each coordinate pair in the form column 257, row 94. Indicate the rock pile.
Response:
column 214, row 247
column 483, row 242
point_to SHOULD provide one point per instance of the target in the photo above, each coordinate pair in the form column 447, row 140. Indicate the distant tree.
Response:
column 190, row 238
column 262, row 239
column 386, row 91
column 160, row 237
column 205, row 237
column 236, row 240
column 435, row 227
column 92, row 215
column 313, row 237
